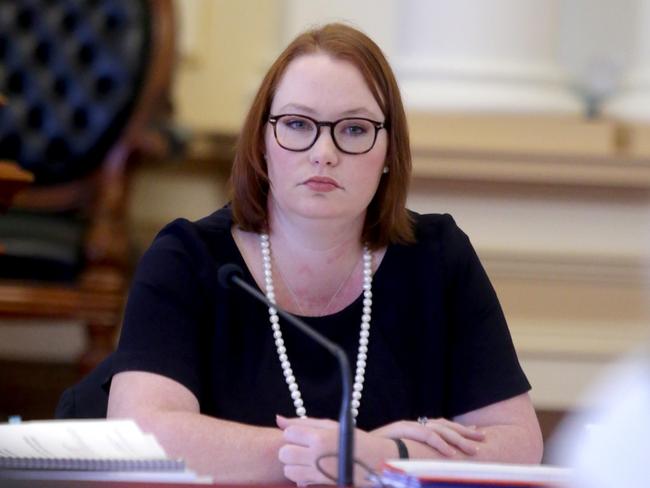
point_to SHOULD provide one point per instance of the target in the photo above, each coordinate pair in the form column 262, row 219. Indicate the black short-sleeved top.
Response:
column 439, row 344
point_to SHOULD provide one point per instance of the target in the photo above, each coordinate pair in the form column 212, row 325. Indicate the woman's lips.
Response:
column 321, row 184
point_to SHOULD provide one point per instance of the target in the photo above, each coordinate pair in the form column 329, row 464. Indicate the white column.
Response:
column 377, row 18
column 633, row 100
column 482, row 56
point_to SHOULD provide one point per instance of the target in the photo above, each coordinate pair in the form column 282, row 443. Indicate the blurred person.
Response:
column 318, row 222
column 605, row 444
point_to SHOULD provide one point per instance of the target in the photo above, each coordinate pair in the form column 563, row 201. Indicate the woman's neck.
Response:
column 317, row 260
column 318, row 238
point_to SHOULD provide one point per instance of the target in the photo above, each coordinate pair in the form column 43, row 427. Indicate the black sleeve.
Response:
column 161, row 329
column 484, row 364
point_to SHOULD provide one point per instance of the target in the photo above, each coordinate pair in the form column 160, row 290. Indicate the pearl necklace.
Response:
column 364, row 334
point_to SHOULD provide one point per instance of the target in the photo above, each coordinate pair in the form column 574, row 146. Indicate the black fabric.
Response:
column 439, row 343
column 88, row 399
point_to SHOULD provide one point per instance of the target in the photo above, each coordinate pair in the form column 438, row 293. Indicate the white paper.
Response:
column 78, row 439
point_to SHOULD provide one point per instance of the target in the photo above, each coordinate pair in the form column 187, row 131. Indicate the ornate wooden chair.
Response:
column 82, row 81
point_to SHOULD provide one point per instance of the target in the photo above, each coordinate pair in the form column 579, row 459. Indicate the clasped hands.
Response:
column 308, row 439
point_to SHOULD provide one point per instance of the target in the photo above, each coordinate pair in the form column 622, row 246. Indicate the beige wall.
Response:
column 226, row 49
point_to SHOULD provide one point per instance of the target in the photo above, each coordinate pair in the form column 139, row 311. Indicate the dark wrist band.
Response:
column 401, row 449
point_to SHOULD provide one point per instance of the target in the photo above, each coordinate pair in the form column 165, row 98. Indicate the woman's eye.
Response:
column 297, row 124
column 354, row 130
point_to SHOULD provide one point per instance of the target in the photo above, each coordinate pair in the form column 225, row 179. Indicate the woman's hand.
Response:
column 443, row 435
column 308, row 439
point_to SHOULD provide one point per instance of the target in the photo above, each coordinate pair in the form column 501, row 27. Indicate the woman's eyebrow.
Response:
column 354, row 112
column 297, row 107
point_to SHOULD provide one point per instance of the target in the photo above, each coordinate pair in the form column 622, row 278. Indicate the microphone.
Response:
column 230, row 274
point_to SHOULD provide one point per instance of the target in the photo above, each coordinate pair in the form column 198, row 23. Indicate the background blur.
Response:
column 530, row 124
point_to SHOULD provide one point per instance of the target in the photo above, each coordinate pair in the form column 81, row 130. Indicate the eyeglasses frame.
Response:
column 273, row 120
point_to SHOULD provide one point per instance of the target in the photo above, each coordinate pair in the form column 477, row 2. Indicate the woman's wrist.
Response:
column 402, row 450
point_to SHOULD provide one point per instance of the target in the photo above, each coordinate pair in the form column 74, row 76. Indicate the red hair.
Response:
column 387, row 220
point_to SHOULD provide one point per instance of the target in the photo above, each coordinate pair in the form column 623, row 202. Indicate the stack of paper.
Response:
column 433, row 473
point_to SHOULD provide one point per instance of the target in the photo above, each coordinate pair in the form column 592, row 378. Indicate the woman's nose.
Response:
column 324, row 151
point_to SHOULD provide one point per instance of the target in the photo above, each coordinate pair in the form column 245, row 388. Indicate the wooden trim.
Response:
column 12, row 180
column 541, row 135
column 525, row 149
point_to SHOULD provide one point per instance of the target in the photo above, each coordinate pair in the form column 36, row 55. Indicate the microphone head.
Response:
column 227, row 272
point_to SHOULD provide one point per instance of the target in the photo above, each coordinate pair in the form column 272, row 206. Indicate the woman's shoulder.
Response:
column 196, row 238
column 437, row 234
column 435, row 227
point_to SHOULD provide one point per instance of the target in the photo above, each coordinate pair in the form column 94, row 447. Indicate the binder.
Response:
column 86, row 449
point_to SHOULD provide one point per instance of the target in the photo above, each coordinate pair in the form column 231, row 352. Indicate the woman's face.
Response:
column 322, row 181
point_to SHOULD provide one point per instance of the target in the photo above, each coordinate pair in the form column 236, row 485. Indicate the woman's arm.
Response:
column 230, row 452
column 505, row 431
column 510, row 428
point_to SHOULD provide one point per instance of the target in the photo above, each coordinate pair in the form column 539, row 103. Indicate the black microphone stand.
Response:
column 231, row 273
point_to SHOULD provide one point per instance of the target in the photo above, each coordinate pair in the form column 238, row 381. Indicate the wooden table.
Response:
column 12, row 180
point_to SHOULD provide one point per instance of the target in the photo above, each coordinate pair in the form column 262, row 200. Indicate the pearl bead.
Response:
column 265, row 246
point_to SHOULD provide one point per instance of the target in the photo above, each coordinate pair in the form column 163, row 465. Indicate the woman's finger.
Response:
column 284, row 422
column 442, row 436
column 452, row 437
column 304, row 475
column 419, row 433
column 303, row 435
column 294, row 454
column 471, row 432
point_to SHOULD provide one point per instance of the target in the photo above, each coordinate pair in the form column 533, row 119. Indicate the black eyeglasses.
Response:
column 351, row 135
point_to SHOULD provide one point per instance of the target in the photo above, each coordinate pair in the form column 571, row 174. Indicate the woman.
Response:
column 318, row 222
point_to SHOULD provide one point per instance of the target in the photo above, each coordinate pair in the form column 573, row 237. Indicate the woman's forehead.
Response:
column 319, row 84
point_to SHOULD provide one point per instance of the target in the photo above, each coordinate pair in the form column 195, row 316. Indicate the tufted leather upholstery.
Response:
column 82, row 79
column 71, row 71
